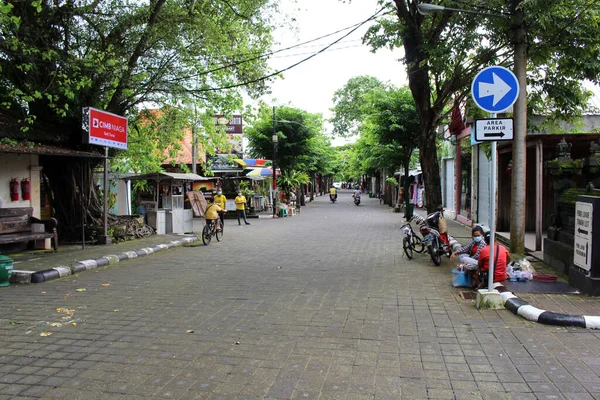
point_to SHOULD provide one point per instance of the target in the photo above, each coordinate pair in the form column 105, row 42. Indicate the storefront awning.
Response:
column 166, row 176
column 46, row 150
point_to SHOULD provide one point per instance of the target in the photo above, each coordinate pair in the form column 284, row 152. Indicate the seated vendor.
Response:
column 501, row 258
column 469, row 254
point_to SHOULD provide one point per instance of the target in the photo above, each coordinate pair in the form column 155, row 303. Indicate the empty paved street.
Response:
column 319, row 305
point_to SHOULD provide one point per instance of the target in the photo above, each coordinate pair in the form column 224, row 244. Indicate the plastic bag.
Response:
column 520, row 271
column 460, row 278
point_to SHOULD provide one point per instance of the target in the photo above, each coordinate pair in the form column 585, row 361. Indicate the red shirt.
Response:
column 500, row 268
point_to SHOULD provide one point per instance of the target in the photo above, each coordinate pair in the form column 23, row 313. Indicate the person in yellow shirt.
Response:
column 240, row 207
column 221, row 201
column 212, row 213
column 333, row 193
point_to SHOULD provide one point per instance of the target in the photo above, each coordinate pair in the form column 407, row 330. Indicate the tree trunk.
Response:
column 312, row 188
column 71, row 203
column 431, row 170
column 519, row 145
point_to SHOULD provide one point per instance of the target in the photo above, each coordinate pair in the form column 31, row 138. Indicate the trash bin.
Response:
column 370, row 195
column 6, row 267
column 410, row 209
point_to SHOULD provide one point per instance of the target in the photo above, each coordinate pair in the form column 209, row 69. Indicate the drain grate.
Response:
column 468, row 295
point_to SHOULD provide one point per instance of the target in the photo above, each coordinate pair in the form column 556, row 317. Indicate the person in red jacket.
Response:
column 501, row 257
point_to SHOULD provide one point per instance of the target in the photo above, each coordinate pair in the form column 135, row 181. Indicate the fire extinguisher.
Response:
column 14, row 189
column 26, row 189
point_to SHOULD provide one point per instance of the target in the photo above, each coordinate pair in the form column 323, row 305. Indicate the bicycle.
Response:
column 411, row 241
column 211, row 229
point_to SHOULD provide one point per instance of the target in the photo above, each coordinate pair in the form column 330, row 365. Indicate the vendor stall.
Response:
column 165, row 202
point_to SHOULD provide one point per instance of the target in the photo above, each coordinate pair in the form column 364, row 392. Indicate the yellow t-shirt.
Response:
column 332, row 191
column 240, row 201
column 212, row 212
column 221, row 201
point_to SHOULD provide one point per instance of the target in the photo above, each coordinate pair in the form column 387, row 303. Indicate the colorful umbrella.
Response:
column 256, row 162
column 261, row 172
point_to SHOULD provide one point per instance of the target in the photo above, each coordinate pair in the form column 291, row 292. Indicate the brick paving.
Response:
column 319, row 305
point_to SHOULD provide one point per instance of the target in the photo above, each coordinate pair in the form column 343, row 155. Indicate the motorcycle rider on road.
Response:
column 333, row 193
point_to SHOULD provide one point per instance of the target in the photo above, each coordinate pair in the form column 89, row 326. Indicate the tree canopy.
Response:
column 297, row 132
column 59, row 56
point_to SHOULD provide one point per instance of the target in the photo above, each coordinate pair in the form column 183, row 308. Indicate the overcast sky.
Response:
column 310, row 85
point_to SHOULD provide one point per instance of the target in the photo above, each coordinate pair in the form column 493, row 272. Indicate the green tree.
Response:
column 348, row 103
column 392, row 118
column 120, row 56
column 444, row 51
column 295, row 130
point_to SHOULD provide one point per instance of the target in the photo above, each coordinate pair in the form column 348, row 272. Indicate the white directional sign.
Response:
column 582, row 256
column 495, row 89
column 493, row 129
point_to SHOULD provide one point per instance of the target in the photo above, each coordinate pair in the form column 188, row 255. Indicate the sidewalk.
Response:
column 34, row 266
column 565, row 309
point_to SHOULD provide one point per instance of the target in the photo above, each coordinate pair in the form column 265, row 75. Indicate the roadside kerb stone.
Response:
column 26, row 277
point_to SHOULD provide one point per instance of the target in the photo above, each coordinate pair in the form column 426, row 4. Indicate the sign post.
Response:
column 494, row 89
column 108, row 130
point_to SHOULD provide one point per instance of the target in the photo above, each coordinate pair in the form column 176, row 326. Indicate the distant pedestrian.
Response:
column 240, row 206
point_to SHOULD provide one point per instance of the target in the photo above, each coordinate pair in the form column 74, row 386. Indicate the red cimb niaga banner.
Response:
column 104, row 128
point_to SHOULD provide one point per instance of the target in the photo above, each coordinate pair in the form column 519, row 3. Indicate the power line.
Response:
column 295, row 64
column 264, row 55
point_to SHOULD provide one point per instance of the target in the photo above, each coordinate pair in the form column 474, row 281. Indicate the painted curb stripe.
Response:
column 530, row 312
column 123, row 256
column 140, row 253
column 513, row 304
column 551, row 318
column 163, row 246
column 592, row 322
column 62, row 271
column 89, row 264
column 101, row 262
column 78, row 267
column 156, row 249
column 131, row 254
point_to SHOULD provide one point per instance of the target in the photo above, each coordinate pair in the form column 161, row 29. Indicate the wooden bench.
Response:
column 18, row 225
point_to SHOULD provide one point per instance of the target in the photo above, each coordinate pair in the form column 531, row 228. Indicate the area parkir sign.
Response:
column 493, row 129
column 104, row 128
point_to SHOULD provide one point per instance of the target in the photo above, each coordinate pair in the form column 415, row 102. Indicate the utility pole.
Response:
column 519, row 146
column 275, row 140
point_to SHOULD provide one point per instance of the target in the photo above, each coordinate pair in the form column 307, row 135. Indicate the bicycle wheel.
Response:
column 417, row 244
column 219, row 234
column 407, row 248
column 206, row 235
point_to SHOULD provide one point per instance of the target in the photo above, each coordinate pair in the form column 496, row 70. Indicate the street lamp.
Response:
column 517, row 207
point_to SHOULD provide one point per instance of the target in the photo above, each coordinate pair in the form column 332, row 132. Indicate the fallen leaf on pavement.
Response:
column 56, row 324
column 15, row 323
column 74, row 323
column 43, row 292
column 45, row 333
column 115, row 310
column 237, row 342
column 80, row 290
column 189, row 331
column 105, row 284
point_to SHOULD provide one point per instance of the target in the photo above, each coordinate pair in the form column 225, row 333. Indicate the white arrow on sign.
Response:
column 498, row 89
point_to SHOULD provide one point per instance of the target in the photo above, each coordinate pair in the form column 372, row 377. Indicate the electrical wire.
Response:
column 268, row 54
column 262, row 78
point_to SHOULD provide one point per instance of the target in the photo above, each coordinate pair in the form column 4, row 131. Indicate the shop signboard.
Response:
column 104, row 128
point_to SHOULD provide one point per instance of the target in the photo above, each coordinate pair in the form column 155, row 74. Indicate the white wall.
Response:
column 19, row 166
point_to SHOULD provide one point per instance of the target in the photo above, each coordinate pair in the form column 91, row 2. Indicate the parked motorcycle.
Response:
column 435, row 236
column 356, row 200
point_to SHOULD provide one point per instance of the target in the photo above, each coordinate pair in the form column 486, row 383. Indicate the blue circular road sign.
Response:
column 495, row 89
